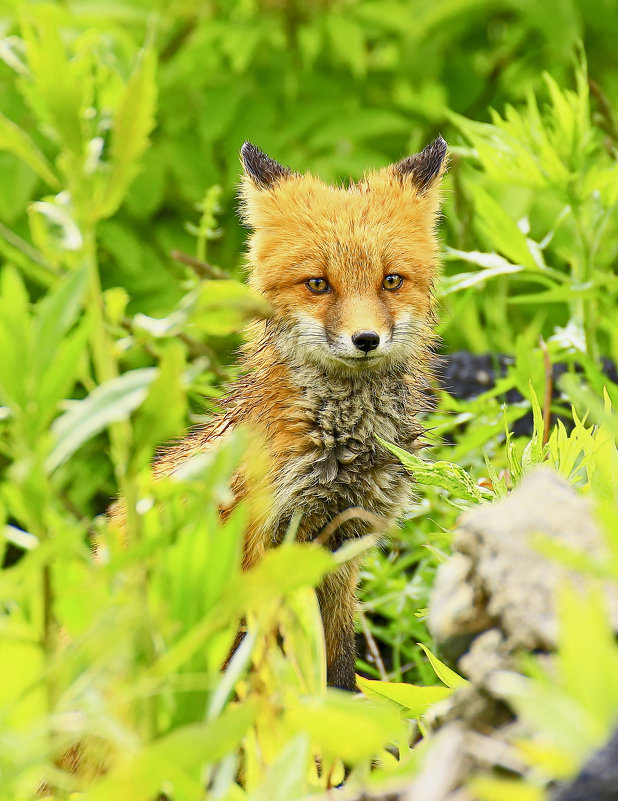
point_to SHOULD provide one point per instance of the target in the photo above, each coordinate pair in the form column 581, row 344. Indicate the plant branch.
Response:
column 201, row 268
column 372, row 645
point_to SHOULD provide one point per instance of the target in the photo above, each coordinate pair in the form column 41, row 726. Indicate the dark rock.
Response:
column 598, row 779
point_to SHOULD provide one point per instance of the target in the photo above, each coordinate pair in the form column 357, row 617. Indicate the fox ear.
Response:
column 263, row 171
column 425, row 167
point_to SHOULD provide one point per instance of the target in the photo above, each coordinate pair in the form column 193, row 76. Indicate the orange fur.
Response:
column 313, row 399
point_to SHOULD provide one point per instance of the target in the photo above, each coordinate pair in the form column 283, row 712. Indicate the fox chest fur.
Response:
column 342, row 465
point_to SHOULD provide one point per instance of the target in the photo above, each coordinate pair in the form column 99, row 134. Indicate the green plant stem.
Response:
column 106, row 369
column 584, row 310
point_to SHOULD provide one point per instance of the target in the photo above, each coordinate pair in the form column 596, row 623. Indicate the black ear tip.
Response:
column 440, row 146
column 262, row 170
column 248, row 150
column 251, row 156
column 425, row 167
column 436, row 150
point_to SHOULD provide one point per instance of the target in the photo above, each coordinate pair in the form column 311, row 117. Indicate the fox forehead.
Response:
column 356, row 234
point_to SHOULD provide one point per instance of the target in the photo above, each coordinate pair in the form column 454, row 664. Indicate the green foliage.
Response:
column 558, row 155
column 119, row 139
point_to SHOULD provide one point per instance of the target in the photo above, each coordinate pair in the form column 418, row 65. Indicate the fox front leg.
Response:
column 337, row 598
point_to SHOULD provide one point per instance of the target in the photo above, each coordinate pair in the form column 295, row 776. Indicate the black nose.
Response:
column 366, row 340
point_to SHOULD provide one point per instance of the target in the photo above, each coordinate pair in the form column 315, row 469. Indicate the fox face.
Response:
column 349, row 272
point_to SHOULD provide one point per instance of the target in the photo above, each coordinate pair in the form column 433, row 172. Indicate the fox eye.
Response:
column 317, row 285
column 392, row 281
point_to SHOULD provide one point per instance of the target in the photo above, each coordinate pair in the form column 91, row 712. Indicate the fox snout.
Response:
column 359, row 344
column 366, row 341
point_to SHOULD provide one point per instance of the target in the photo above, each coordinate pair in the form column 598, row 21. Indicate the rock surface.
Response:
column 500, row 580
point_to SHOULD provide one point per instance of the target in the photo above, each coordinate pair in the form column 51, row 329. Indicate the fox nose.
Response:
column 366, row 340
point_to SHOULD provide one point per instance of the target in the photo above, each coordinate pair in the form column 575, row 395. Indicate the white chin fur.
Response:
column 307, row 342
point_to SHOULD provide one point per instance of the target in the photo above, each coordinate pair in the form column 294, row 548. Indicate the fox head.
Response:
column 349, row 272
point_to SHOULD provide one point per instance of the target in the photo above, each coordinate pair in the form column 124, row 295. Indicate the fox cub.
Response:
column 349, row 273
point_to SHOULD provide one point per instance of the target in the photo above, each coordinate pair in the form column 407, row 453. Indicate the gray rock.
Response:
column 499, row 580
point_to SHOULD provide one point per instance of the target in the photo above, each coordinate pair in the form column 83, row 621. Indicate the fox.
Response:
column 344, row 358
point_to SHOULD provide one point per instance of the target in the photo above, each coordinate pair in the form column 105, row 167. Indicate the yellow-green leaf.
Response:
column 414, row 699
column 343, row 725
column 444, row 673
column 16, row 140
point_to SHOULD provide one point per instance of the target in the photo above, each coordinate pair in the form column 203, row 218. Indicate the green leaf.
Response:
column 500, row 229
column 57, row 381
column 162, row 415
column 57, row 92
column 534, row 452
column 586, row 629
column 344, row 726
column 16, row 140
column 498, row 484
column 15, row 339
column 493, row 266
column 282, row 569
column 286, row 778
column 563, row 294
column 366, row 123
column 414, row 699
column 54, row 316
column 133, row 122
column 183, row 751
column 446, row 475
column 442, row 671
column 112, row 401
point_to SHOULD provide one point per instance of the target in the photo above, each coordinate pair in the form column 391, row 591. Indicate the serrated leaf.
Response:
column 534, row 452
column 133, row 123
column 498, row 484
column 57, row 93
column 447, row 475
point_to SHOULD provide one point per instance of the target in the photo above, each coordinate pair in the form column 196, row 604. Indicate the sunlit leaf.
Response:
column 342, row 725
column 108, row 403
column 415, row 700
column 443, row 672
column 447, row 475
